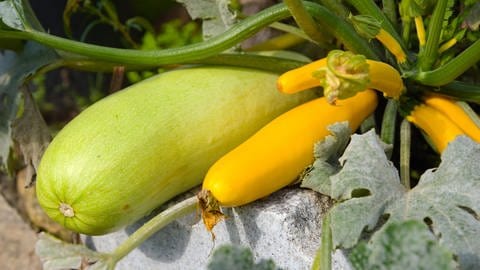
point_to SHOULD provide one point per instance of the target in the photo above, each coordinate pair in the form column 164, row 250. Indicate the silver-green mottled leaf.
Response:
column 56, row 254
column 237, row 258
column 327, row 152
column 217, row 15
column 403, row 245
column 448, row 197
column 367, row 182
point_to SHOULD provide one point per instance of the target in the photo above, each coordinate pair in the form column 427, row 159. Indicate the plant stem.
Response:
column 405, row 143
column 390, row 10
column 247, row 60
column 306, row 22
column 451, row 70
column 237, row 33
column 323, row 258
column 407, row 28
column 342, row 30
column 461, row 90
column 153, row 225
column 326, row 251
column 430, row 52
column 368, row 124
column 336, row 7
column 387, row 134
column 290, row 29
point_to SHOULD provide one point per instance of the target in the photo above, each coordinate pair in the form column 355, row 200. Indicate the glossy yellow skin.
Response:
column 383, row 77
column 438, row 127
column 456, row 114
column 274, row 156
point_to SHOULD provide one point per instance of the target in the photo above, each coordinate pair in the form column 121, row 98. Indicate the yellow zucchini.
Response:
column 438, row 127
column 443, row 120
column 456, row 114
column 136, row 149
column 274, row 156
column 383, row 77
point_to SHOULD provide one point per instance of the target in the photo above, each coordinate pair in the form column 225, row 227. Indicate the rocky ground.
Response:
column 17, row 240
column 21, row 218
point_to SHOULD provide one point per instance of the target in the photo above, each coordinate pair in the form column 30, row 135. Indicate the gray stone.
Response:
column 17, row 241
column 284, row 227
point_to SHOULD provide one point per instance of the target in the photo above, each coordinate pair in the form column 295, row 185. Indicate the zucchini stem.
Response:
column 66, row 210
column 430, row 52
column 153, row 225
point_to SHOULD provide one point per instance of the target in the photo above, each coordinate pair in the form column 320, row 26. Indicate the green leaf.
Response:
column 56, row 254
column 445, row 198
column 404, row 245
column 358, row 257
column 15, row 68
column 366, row 184
column 327, row 152
column 237, row 258
column 217, row 15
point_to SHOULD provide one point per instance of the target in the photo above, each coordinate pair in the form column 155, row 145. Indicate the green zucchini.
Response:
column 132, row 151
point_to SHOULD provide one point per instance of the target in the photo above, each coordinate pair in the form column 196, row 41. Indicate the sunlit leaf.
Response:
column 446, row 198
column 367, row 182
column 217, row 15
column 327, row 152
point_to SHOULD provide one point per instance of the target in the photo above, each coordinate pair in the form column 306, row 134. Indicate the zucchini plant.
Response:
column 239, row 120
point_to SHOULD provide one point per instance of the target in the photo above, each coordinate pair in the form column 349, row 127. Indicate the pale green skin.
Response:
column 132, row 151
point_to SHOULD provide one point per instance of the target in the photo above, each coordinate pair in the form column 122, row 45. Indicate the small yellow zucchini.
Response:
column 132, row 151
column 456, row 114
column 274, row 156
column 438, row 127
column 383, row 77
column 443, row 120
